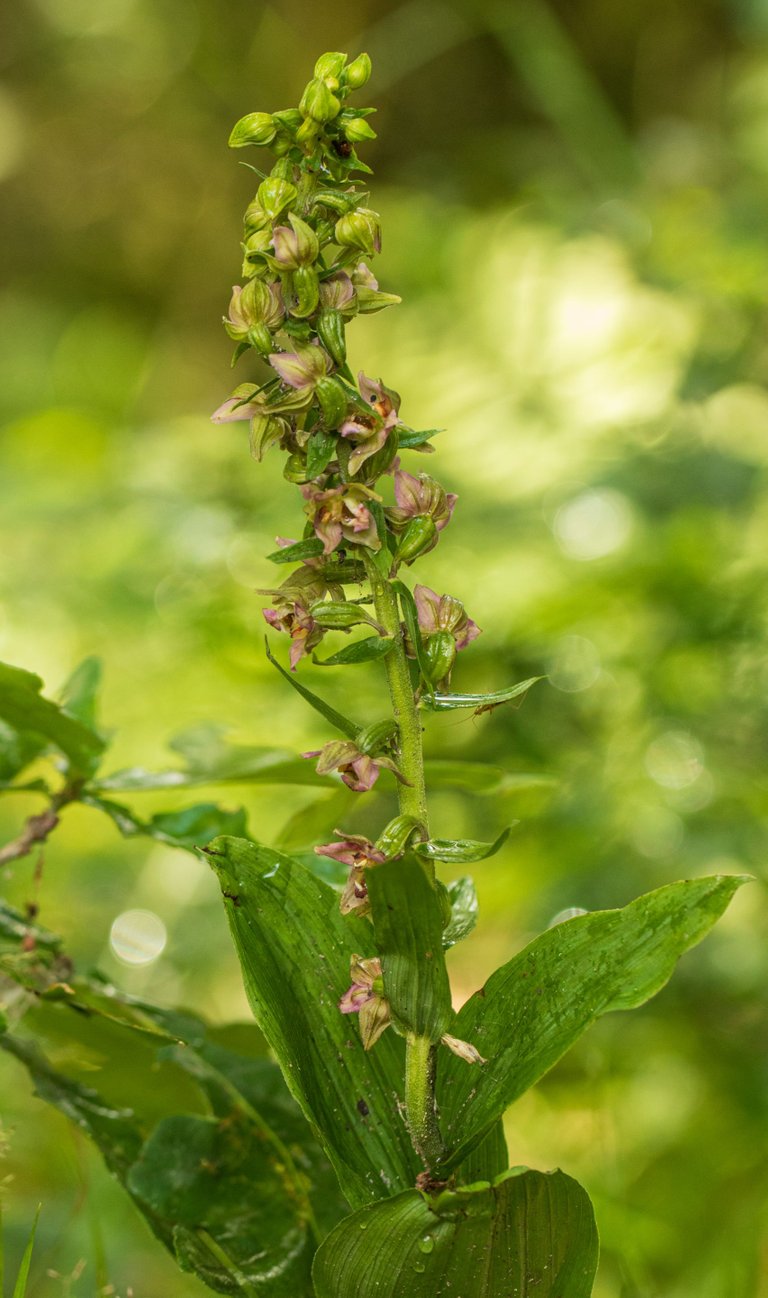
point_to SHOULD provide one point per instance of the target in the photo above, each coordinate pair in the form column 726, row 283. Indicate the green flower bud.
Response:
column 330, row 65
column 337, row 615
column 330, row 198
column 358, row 71
column 297, row 246
column 330, row 331
column 419, row 537
column 440, row 651
column 360, row 230
column 282, row 145
column 357, row 129
column 255, row 218
column 303, row 291
column 307, row 133
column 333, row 401
column 289, row 120
column 254, row 248
column 375, row 737
column 319, row 103
column 260, row 337
column 275, row 194
column 282, row 170
column 254, row 128
column 295, row 469
column 396, row 836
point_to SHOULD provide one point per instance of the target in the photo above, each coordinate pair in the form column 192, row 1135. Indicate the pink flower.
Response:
column 420, row 496
column 365, row 998
column 293, row 618
column 369, row 429
column 302, row 369
column 342, row 513
column 358, row 770
column 245, row 402
column 358, row 853
column 444, row 613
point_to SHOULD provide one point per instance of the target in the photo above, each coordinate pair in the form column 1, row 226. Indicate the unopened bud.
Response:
column 395, row 837
column 375, row 737
column 333, row 401
column 356, row 129
column 360, row 230
column 254, row 128
column 330, row 331
column 307, row 133
column 265, row 431
column 297, row 246
column 275, row 195
column 255, row 217
column 304, row 291
column 440, row 651
column 330, row 65
column 358, row 71
column 419, row 537
column 319, row 103
column 337, row 615
column 295, row 469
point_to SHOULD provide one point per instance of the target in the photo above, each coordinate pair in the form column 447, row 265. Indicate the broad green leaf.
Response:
column 79, row 694
column 373, row 647
column 310, row 548
column 211, row 759
column 23, row 707
column 189, row 828
column 351, row 1099
column 477, row 777
column 480, row 702
column 487, row 1160
column 538, row 1004
column 529, row 1234
column 463, row 899
column 337, row 720
column 461, row 851
column 217, row 1181
column 408, row 926
column 20, row 1287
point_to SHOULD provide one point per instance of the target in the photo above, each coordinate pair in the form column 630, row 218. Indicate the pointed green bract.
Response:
column 408, row 924
column 337, row 720
column 461, row 851
column 294, row 948
column 480, row 702
column 537, row 1005
column 20, row 1287
column 529, row 1234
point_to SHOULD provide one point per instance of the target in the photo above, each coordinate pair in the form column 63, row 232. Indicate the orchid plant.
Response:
column 376, row 1165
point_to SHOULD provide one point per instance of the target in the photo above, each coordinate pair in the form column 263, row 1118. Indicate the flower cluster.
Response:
column 309, row 239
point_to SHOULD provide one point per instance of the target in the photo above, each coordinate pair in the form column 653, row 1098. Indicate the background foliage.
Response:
column 574, row 200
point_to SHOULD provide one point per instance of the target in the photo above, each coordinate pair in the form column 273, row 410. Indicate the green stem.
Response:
column 412, row 796
column 420, row 1053
column 420, row 1104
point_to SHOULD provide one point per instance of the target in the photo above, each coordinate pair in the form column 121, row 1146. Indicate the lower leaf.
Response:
column 529, row 1234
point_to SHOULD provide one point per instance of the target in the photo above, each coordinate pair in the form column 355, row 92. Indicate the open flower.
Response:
column 293, row 617
column 365, row 998
column 368, row 429
column 337, row 293
column 358, row 770
column 302, row 369
column 369, row 298
column 342, row 513
column 245, row 402
column 358, row 852
column 444, row 613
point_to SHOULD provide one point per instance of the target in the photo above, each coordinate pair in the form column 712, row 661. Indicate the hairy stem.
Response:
column 420, row 1106
column 420, row 1054
column 412, row 796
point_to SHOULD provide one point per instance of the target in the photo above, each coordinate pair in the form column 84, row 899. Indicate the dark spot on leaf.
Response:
column 233, row 897
column 362, row 1108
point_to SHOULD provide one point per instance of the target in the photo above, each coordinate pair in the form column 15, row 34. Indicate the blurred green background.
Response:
column 574, row 205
